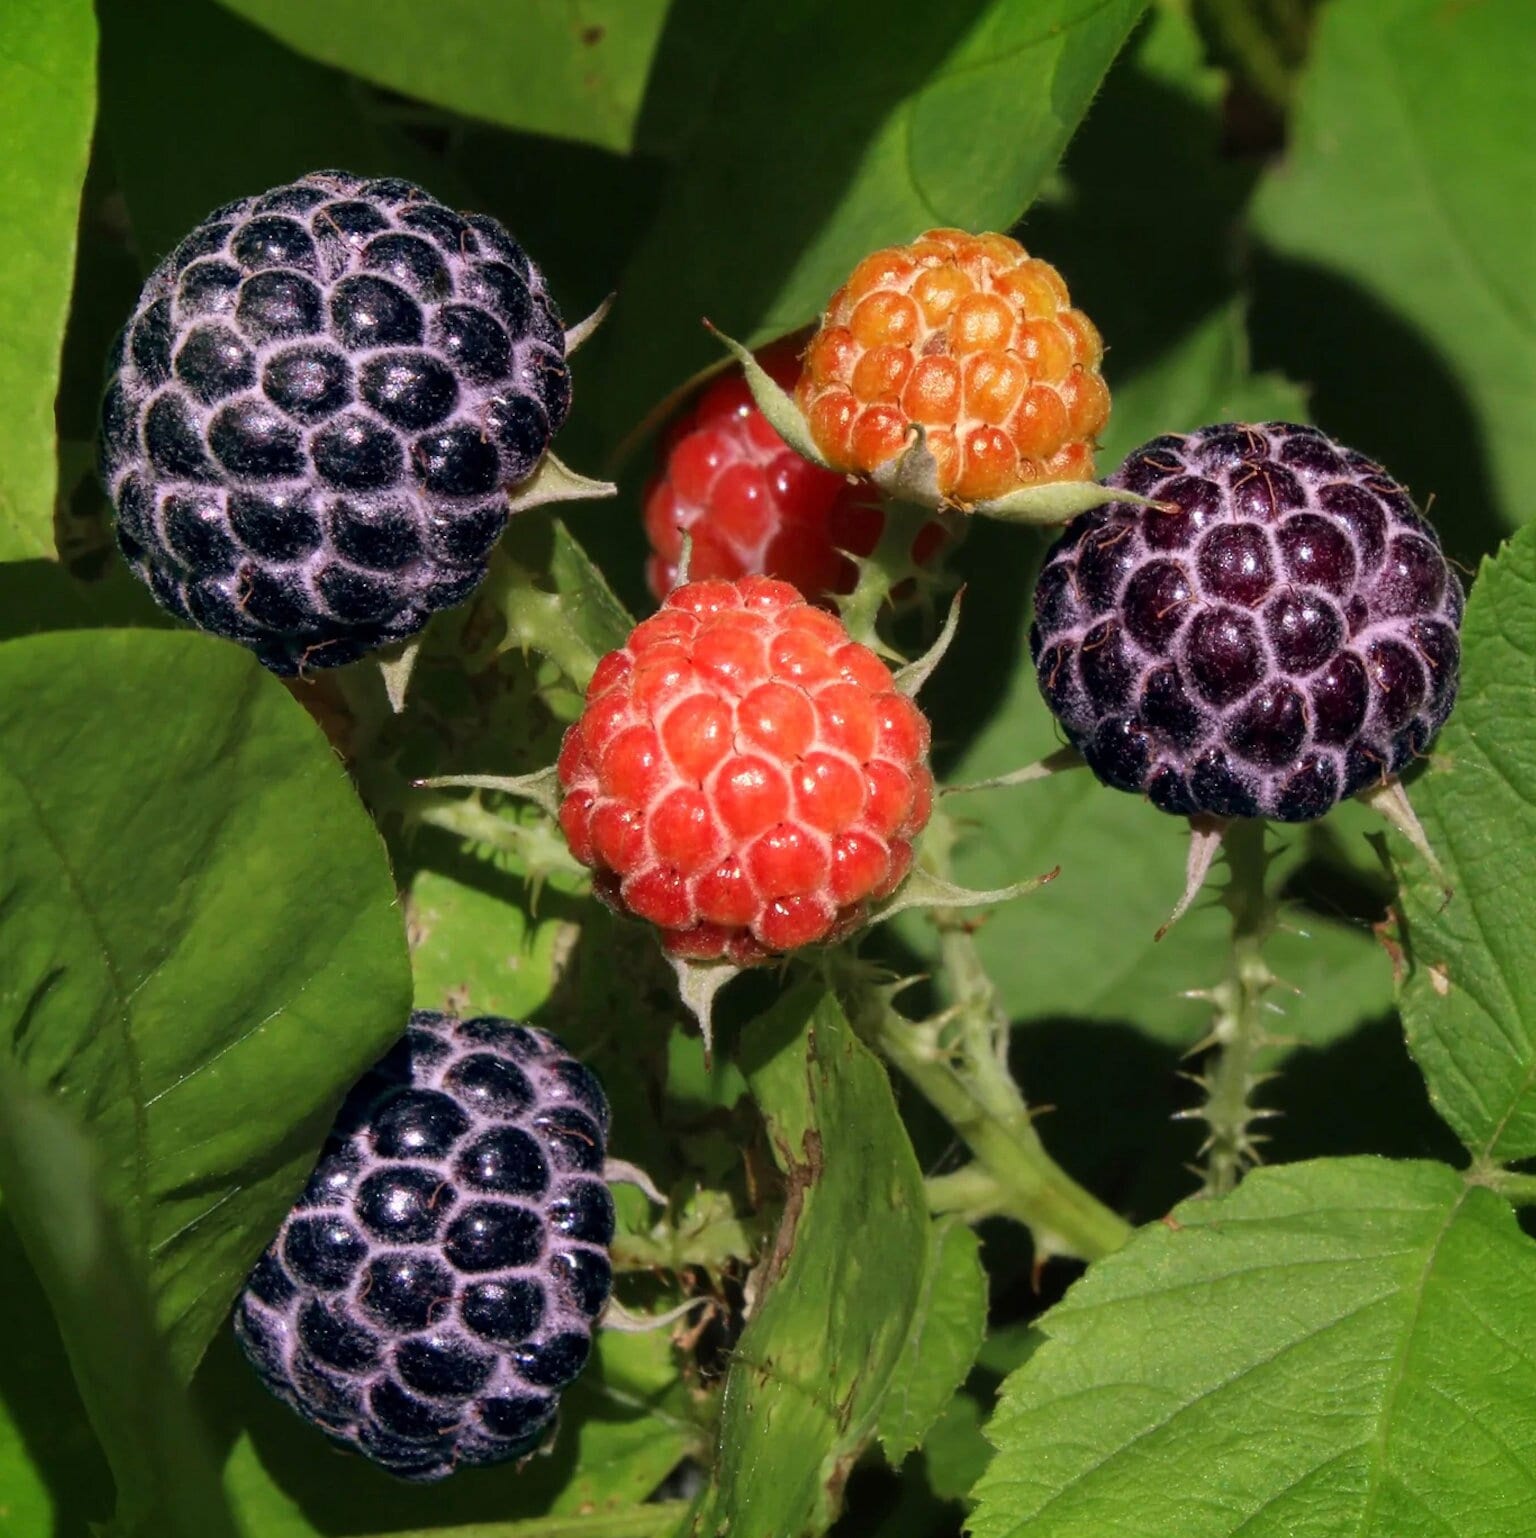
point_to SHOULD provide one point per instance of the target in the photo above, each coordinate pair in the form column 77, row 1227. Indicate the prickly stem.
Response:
column 1238, row 1034
column 538, row 621
column 535, row 844
column 883, row 570
column 958, row 1062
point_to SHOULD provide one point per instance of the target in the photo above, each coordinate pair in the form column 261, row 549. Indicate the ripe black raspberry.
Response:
column 436, row 1284
column 312, row 416
column 1286, row 638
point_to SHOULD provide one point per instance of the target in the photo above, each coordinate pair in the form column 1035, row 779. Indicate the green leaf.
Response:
column 202, row 944
column 1156, row 126
column 476, row 944
column 571, row 70
column 603, row 621
column 942, row 1340
column 956, row 1452
column 657, row 1520
column 42, row 595
column 166, row 1486
column 624, row 1425
column 1409, row 181
column 834, row 132
column 47, row 81
column 53, row 1477
column 1203, row 377
column 1338, row 1347
column 167, row 65
column 839, row 1293
column 1469, row 1002
column 553, row 598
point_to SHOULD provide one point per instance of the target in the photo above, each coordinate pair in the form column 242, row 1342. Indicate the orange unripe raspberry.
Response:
column 744, row 775
column 974, row 339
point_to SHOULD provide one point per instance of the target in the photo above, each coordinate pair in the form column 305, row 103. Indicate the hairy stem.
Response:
column 1258, row 53
column 1237, row 1034
column 970, row 1192
column 883, row 570
column 540, row 622
column 537, row 844
column 1515, row 1186
column 958, row 1062
column 964, row 1081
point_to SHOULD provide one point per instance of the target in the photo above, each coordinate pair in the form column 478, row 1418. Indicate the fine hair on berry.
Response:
column 1279, row 633
column 436, row 1285
column 312, row 417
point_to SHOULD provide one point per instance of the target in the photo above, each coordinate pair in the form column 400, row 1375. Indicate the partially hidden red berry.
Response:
column 750, row 504
column 744, row 775
column 1280, row 632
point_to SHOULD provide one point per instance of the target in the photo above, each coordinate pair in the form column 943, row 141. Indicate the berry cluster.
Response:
column 1281, row 633
column 436, row 1284
column 314, row 412
column 744, row 776
column 974, row 339
column 750, row 504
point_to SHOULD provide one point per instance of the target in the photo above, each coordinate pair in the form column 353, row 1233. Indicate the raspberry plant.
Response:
column 1261, row 1268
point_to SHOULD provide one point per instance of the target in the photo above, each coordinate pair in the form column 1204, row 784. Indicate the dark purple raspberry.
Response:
column 1280, row 634
column 437, row 1283
column 315, row 411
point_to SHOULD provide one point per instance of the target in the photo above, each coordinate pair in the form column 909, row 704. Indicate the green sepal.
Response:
column 583, row 329
column 915, row 674
column 912, row 475
column 775, row 403
column 1390, row 802
column 1207, row 834
column 923, row 889
column 1058, row 762
column 697, row 984
column 555, row 481
column 396, row 665
column 1055, row 503
column 542, row 787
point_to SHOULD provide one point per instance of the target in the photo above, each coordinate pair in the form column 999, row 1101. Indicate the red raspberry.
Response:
column 751, row 504
column 976, row 340
column 744, row 776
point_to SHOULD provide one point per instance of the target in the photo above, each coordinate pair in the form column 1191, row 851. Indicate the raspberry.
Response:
column 435, row 1286
column 976, row 340
column 744, row 776
column 1285, row 638
column 753, row 506
column 313, row 414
